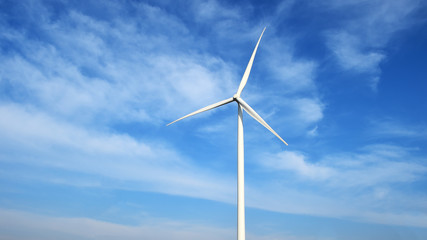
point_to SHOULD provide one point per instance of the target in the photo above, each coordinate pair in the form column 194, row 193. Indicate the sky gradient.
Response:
column 87, row 88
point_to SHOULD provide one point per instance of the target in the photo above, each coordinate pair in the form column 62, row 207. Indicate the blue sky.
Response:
column 87, row 87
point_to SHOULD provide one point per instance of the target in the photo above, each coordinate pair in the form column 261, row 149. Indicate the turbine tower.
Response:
column 240, row 149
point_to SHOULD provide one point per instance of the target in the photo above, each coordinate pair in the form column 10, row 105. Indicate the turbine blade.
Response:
column 248, row 68
column 215, row 105
column 255, row 115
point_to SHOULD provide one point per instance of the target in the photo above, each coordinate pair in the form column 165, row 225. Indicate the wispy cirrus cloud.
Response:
column 369, row 175
column 297, row 74
column 296, row 162
column 392, row 128
column 372, row 165
column 38, row 226
column 91, row 68
column 358, row 43
column 348, row 49
column 143, row 165
column 212, row 10
column 376, row 165
column 47, row 227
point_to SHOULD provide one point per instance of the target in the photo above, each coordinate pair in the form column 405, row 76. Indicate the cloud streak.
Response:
column 135, row 77
column 369, row 175
column 115, row 156
column 358, row 45
column 47, row 227
column 374, row 165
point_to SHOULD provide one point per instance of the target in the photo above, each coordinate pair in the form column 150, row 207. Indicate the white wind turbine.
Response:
column 240, row 157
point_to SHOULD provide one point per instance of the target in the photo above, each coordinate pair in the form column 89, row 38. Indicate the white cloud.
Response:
column 144, row 166
column 358, row 45
column 313, row 132
column 16, row 225
column 211, row 10
column 22, row 225
column 393, row 128
column 416, row 220
column 350, row 54
column 294, row 161
column 370, row 176
column 374, row 165
column 338, row 204
column 219, row 126
column 297, row 74
column 91, row 70
column 308, row 110
column 378, row 165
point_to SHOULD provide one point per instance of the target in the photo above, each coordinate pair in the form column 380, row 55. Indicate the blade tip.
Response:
column 284, row 142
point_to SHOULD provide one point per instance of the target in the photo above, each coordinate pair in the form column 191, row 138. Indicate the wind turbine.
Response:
column 240, row 150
